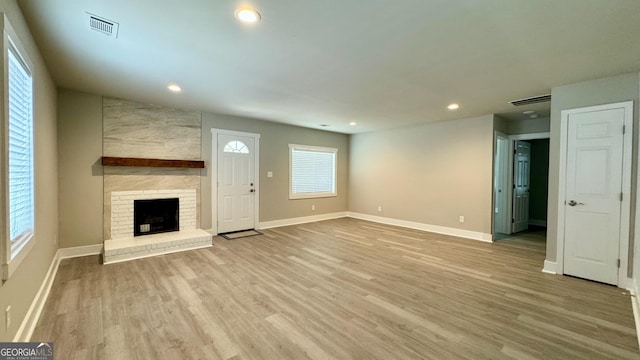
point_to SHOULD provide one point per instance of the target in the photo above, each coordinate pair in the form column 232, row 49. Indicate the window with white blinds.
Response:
column 20, row 130
column 312, row 171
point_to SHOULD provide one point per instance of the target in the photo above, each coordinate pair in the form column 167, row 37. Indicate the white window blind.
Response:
column 20, row 96
column 313, row 171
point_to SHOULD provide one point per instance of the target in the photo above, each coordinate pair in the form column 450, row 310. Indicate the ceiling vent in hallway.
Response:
column 105, row 26
column 531, row 100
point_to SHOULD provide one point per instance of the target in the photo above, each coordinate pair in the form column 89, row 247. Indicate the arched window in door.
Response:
column 236, row 146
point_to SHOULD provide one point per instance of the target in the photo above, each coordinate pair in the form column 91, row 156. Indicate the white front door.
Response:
column 593, row 194
column 236, row 183
column 521, row 166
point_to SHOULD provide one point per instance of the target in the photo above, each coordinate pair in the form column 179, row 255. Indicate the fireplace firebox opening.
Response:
column 155, row 216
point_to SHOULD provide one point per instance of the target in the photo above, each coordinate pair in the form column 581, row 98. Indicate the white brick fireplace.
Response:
column 122, row 209
column 124, row 246
column 145, row 131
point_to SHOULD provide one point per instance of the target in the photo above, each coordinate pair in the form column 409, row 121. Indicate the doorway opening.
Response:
column 520, row 192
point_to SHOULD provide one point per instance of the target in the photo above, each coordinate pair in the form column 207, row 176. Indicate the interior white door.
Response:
column 521, row 167
column 500, row 183
column 236, row 183
column 593, row 194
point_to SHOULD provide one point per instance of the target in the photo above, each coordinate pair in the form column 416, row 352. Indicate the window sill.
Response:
column 12, row 266
column 311, row 196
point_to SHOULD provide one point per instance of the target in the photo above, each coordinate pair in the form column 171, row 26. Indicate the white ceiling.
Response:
column 380, row 63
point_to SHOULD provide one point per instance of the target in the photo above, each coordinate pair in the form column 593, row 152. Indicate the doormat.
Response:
column 240, row 234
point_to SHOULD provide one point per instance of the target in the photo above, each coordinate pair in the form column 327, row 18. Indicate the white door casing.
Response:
column 235, row 181
column 510, row 190
column 593, row 204
column 521, row 179
column 500, row 185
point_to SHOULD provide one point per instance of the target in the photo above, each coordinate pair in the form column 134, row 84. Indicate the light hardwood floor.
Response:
column 339, row 289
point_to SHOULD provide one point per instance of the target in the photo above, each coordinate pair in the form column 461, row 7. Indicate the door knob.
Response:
column 574, row 203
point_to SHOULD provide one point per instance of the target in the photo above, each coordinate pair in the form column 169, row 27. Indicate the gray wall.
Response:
column 274, row 156
column 79, row 168
column 500, row 124
column 20, row 289
column 528, row 126
column 521, row 126
column 81, row 175
column 589, row 93
column 429, row 174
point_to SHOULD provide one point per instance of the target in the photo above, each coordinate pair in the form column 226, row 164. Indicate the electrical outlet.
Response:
column 313, row 207
column 269, row 174
column 7, row 317
column 379, row 208
column 461, row 219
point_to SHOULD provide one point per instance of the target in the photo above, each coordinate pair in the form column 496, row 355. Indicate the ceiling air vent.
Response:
column 531, row 100
column 105, row 26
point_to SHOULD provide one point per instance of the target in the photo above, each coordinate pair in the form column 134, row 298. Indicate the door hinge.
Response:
column 624, row 129
column 618, row 262
column 513, row 221
column 620, row 196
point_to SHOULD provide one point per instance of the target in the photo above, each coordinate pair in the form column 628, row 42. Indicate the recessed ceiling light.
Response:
column 247, row 15
column 528, row 112
column 453, row 106
column 533, row 116
column 174, row 88
column 353, row 123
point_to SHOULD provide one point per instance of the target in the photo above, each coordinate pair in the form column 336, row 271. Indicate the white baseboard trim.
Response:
column 383, row 220
column 35, row 310
column 37, row 305
column 474, row 235
column 636, row 316
column 550, row 267
column 626, row 283
column 538, row 222
column 635, row 304
column 78, row 251
column 300, row 220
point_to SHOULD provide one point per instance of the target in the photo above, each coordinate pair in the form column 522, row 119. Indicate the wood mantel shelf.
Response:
column 143, row 162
